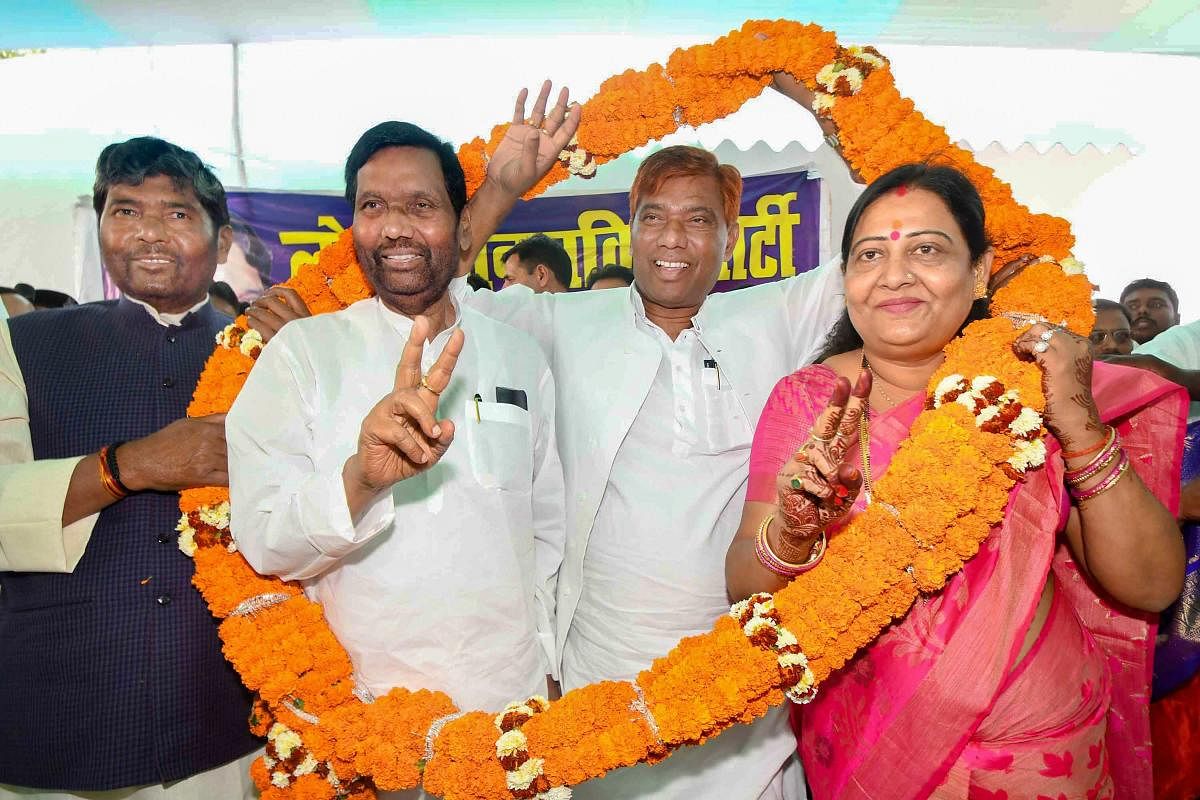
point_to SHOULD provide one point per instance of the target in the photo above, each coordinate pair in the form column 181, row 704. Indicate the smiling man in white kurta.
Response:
column 421, row 505
column 659, row 388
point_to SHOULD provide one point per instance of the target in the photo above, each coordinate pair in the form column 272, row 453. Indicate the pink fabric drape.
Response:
column 910, row 716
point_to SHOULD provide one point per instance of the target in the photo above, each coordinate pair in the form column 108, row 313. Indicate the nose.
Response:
column 397, row 225
column 672, row 234
column 896, row 273
column 151, row 228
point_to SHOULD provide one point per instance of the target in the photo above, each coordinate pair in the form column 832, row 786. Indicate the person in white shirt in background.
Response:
column 1174, row 354
column 659, row 388
column 433, row 544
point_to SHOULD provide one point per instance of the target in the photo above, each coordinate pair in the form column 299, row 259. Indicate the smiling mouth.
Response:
column 401, row 259
column 671, row 266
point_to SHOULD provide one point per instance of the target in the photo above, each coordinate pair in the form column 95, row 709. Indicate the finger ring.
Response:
column 1047, row 335
column 1042, row 346
column 425, row 385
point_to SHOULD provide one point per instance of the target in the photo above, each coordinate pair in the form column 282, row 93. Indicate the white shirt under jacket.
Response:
column 655, row 440
column 448, row 581
column 1178, row 345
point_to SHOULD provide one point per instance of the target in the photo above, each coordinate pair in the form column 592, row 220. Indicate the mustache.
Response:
column 153, row 252
column 401, row 246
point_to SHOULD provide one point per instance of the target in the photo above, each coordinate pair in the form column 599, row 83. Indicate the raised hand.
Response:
column 401, row 436
column 1066, row 363
column 817, row 486
column 530, row 147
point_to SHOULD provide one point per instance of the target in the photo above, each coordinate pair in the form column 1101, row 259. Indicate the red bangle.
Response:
column 1081, row 453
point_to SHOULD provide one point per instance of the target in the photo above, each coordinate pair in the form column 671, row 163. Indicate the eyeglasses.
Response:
column 1118, row 337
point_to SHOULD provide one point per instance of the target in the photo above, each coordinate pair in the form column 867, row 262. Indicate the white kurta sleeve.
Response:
column 1179, row 345
column 288, row 518
column 519, row 307
column 32, row 493
column 549, row 520
column 814, row 301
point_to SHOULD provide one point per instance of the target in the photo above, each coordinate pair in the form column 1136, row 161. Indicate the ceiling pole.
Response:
column 238, row 153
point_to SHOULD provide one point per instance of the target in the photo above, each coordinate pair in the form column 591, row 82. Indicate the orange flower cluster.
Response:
column 384, row 739
column 944, row 490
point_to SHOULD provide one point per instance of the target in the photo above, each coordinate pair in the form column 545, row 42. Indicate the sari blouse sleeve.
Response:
column 786, row 421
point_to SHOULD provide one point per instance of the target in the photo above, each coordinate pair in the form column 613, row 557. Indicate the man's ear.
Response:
column 224, row 242
column 465, row 256
column 542, row 275
column 731, row 240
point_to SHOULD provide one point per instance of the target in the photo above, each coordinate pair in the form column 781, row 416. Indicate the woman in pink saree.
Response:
column 1028, row 675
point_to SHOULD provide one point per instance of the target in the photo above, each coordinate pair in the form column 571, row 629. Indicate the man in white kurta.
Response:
column 447, row 581
column 655, row 428
column 433, row 544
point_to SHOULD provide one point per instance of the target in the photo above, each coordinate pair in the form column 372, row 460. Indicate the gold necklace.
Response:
column 864, row 440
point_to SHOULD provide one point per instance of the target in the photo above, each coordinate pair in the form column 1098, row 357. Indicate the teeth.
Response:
column 671, row 264
column 402, row 257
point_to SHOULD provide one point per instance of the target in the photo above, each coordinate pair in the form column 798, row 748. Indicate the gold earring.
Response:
column 980, row 291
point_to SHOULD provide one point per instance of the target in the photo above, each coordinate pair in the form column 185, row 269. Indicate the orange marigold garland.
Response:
column 944, row 490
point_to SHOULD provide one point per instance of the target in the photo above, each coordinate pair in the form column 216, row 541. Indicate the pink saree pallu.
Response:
column 944, row 704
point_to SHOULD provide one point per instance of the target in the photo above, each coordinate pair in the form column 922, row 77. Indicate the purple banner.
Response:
column 780, row 221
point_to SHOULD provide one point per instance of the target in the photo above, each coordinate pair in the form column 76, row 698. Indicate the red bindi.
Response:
column 901, row 190
column 895, row 235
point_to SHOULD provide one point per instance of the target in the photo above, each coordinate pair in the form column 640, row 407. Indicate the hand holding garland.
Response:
column 401, row 436
column 1118, row 531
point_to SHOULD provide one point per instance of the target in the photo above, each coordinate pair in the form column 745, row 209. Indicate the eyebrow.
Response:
column 934, row 231
column 687, row 210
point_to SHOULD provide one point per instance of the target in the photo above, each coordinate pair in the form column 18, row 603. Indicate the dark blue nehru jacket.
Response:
column 113, row 676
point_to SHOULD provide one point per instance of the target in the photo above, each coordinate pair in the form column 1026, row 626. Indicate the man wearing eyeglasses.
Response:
column 1112, row 334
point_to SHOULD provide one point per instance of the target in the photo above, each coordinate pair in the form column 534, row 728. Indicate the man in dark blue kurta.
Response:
column 111, row 673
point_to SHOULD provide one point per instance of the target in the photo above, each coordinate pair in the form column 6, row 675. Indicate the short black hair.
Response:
column 50, row 298
column 258, row 255
column 610, row 271
column 1100, row 304
column 541, row 249
column 26, row 291
column 1150, row 283
column 405, row 134
column 131, row 162
column 477, row 282
column 223, row 291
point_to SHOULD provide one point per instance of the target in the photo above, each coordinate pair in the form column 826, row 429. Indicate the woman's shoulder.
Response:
column 802, row 389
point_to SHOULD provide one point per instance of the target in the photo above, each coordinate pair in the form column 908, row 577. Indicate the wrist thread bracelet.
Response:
column 113, row 486
column 1103, row 443
column 1093, row 467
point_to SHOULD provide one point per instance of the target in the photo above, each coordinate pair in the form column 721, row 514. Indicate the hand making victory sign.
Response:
column 817, row 487
column 402, row 436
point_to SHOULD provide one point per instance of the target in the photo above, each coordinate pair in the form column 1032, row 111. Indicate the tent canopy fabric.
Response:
column 1146, row 26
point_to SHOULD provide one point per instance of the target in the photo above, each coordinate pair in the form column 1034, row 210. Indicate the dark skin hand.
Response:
column 186, row 454
column 1187, row 378
column 276, row 307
